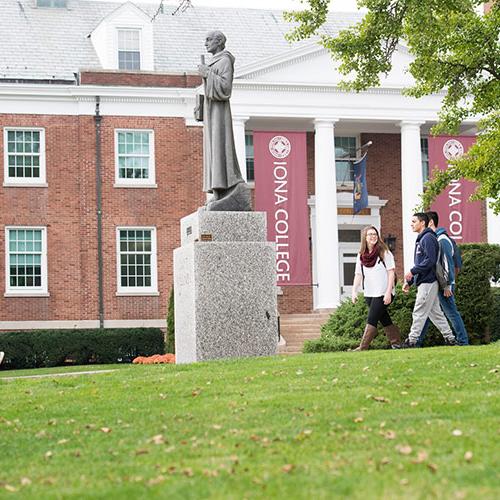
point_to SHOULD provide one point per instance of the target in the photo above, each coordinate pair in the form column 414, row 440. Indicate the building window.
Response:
column 129, row 50
column 26, row 260
column 250, row 158
column 424, row 148
column 345, row 154
column 137, row 261
column 24, row 156
column 134, row 158
column 51, row 3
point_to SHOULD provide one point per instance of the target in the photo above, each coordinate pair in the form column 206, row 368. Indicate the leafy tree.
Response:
column 456, row 50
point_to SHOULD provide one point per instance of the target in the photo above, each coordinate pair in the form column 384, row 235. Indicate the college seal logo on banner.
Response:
column 279, row 146
column 453, row 149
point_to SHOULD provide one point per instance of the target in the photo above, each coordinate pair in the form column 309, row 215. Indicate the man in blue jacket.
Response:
column 446, row 297
column 423, row 274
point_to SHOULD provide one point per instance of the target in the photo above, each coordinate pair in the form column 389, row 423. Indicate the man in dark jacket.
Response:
column 423, row 274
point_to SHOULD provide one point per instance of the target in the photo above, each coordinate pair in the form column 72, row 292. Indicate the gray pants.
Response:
column 427, row 306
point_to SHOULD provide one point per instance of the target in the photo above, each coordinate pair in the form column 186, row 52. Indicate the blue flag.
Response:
column 360, row 191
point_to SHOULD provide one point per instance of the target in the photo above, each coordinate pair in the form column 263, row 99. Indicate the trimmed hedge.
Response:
column 44, row 348
column 170, row 344
column 477, row 301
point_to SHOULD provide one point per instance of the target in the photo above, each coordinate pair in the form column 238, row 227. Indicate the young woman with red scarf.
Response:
column 375, row 273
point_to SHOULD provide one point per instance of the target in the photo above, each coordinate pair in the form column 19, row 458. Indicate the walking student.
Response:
column 375, row 272
column 423, row 274
column 446, row 297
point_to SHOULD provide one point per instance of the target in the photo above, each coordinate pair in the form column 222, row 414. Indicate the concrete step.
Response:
column 297, row 328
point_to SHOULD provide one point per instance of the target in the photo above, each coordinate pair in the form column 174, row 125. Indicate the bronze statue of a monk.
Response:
column 221, row 172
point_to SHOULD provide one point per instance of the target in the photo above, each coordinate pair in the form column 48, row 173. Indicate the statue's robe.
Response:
column 220, row 164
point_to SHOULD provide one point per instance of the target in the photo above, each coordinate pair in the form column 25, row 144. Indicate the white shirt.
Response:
column 375, row 282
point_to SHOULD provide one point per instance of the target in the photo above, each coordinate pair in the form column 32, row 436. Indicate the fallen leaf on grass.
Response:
column 105, row 430
column 422, row 456
column 188, row 472
column 358, row 420
column 493, row 370
column 287, row 468
column 468, row 456
column 141, row 451
column 195, row 393
column 385, row 461
column 457, row 432
column 156, row 480
column 63, row 441
column 25, row 481
column 404, row 482
column 48, row 455
column 389, row 434
column 10, row 488
column 158, row 439
column 432, row 467
column 404, row 449
column 380, row 399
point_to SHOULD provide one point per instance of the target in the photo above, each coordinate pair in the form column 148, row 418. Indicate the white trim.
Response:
column 138, row 291
column 41, row 291
column 79, row 324
column 24, row 181
column 151, row 180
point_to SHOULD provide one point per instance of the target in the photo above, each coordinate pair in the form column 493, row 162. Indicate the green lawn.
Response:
column 420, row 423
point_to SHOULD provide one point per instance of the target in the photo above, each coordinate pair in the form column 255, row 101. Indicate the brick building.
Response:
column 102, row 156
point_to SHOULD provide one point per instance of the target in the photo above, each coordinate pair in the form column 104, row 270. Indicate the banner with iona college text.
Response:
column 280, row 161
column 460, row 217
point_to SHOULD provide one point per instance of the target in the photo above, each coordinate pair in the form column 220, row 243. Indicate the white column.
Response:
column 326, row 251
column 411, row 184
column 239, row 142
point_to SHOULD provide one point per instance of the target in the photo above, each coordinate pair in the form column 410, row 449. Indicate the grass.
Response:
column 408, row 424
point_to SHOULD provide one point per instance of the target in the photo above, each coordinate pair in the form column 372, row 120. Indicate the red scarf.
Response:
column 369, row 259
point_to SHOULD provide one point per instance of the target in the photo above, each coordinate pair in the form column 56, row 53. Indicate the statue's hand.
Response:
column 203, row 70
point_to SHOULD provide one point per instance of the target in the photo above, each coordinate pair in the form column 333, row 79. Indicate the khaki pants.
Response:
column 427, row 306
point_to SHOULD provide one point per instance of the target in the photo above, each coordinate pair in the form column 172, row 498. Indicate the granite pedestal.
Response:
column 225, row 287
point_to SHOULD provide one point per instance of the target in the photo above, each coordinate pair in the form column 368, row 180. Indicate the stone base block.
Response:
column 225, row 301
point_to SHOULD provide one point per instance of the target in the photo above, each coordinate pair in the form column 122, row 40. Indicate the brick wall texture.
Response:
column 68, row 208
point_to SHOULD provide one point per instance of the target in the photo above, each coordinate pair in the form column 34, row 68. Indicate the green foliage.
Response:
column 345, row 327
column 474, row 296
column 495, row 323
column 44, row 348
column 455, row 50
column 170, row 343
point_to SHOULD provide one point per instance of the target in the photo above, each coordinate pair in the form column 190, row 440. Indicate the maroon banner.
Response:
column 460, row 217
column 280, row 161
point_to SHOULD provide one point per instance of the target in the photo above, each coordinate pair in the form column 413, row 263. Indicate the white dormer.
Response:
column 123, row 40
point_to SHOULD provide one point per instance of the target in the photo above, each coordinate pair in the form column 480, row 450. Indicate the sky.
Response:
column 337, row 5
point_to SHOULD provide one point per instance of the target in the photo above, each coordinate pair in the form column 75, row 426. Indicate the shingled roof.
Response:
column 53, row 43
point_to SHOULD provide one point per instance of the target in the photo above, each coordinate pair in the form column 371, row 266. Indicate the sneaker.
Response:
column 2, row 354
column 395, row 346
column 408, row 344
column 450, row 341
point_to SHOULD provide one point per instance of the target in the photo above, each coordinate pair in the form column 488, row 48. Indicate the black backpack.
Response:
column 442, row 270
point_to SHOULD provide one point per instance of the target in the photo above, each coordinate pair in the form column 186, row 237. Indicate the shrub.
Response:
column 43, row 348
column 495, row 323
column 170, row 344
column 346, row 325
column 477, row 301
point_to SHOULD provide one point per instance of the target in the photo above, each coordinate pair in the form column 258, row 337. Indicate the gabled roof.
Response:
column 53, row 43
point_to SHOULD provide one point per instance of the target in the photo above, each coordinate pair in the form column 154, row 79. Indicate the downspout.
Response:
column 98, row 183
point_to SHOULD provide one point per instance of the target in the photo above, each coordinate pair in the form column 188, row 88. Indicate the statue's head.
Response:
column 215, row 41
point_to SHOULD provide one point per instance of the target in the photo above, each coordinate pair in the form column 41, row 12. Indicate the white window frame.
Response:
column 138, row 290
column 138, row 29
column 347, row 184
column 41, row 291
column 23, row 181
column 136, row 183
